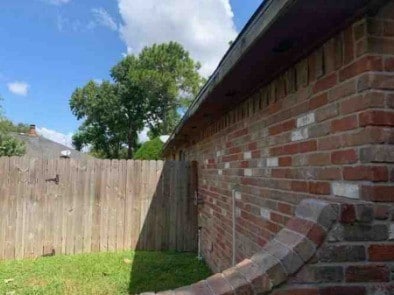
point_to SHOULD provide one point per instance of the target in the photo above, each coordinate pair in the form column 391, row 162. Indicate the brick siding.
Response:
column 321, row 130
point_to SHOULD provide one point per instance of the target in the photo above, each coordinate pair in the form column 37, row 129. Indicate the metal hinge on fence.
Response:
column 56, row 179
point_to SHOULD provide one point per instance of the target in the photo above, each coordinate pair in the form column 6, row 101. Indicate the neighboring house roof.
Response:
column 41, row 147
column 280, row 33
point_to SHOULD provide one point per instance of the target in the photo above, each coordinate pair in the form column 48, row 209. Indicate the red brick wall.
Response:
column 320, row 130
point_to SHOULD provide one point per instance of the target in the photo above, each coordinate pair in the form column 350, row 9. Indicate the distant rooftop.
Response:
column 41, row 147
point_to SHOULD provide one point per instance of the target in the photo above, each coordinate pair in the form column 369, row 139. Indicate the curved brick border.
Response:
column 283, row 256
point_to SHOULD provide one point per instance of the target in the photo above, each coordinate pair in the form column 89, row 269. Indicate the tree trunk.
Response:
column 129, row 146
column 117, row 152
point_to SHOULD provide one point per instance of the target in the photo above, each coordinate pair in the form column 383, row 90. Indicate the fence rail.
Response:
column 68, row 206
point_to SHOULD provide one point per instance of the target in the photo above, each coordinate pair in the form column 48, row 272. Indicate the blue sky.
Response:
column 52, row 46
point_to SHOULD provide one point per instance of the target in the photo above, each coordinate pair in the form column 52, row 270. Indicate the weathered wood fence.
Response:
column 68, row 206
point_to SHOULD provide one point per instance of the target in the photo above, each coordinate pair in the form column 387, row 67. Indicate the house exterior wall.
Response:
column 323, row 130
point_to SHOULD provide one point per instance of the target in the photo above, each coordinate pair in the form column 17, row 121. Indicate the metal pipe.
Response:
column 233, row 260
column 199, row 257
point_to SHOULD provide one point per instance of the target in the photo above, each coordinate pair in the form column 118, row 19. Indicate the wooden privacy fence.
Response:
column 68, row 206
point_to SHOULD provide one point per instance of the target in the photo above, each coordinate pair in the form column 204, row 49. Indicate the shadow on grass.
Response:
column 159, row 271
column 169, row 224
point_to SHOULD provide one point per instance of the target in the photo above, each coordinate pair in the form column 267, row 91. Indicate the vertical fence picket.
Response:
column 96, row 210
column 129, row 193
column 3, row 205
column 136, row 204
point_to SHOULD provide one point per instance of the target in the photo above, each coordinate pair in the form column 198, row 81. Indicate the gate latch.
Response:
column 197, row 199
column 56, row 179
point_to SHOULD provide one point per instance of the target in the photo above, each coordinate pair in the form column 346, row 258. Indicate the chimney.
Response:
column 32, row 130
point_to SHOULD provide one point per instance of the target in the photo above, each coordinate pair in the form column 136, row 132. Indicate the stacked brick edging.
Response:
column 282, row 257
column 356, row 258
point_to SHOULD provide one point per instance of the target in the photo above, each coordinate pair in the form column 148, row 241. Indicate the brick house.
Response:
column 293, row 138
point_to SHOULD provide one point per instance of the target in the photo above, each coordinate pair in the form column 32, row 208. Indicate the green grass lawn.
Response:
column 102, row 273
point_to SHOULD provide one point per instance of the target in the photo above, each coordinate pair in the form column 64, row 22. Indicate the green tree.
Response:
column 100, row 107
column 10, row 146
column 147, row 90
column 173, row 80
column 150, row 150
column 8, row 126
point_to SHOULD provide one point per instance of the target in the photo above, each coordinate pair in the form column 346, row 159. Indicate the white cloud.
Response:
column 100, row 18
column 18, row 88
column 65, row 139
column 74, row 25
column 98, row 81
column 103, row 18
column 143, row 135
column 61, row 22
column 203, row 27
column 57, row 2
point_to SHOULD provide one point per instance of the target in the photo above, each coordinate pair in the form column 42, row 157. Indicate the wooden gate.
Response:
column 68, row 206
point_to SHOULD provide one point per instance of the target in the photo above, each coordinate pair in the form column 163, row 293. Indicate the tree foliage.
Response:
column 99, row 106
column 8, row 126
column 147, row 90
column 150, row 150
column 10, row 146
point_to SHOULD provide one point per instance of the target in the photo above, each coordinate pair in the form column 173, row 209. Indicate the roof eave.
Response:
column 266, row 14
column 272, row 23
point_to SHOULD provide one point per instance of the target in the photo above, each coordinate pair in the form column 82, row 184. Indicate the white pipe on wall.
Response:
column 234, row 240
column 199, row 244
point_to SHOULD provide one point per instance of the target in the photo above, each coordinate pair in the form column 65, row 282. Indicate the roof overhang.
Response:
column 279, row 34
